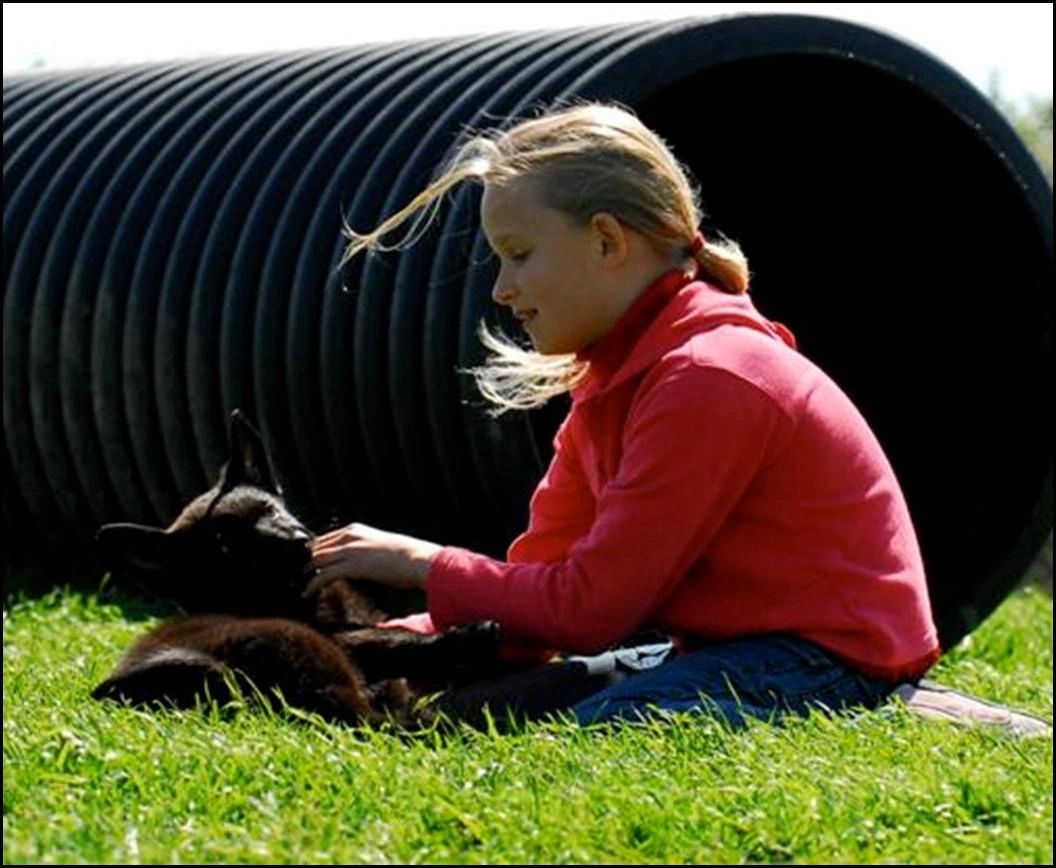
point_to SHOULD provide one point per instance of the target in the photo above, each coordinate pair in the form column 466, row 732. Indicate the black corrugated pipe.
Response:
column 171, row 236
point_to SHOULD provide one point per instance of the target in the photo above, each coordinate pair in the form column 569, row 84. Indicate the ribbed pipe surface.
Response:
column 172, row 233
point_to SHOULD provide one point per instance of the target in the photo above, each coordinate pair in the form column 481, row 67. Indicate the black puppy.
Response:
column 234, row 559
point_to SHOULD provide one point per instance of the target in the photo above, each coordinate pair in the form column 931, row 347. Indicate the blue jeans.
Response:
column 760, row 676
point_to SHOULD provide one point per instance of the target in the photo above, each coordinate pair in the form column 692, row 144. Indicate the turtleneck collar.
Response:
column 609, row 351
column 668, row 312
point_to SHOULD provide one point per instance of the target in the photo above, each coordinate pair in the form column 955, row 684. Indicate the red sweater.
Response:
column 711, row 482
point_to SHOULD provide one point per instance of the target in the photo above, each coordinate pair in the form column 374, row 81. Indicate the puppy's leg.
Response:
column 456, row 654
column 310, row 670
column 172, row 675
column 395, row 700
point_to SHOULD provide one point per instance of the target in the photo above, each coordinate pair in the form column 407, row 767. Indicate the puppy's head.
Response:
column 235, row 548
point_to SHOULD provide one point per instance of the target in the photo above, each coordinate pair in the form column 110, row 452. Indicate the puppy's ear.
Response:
column 249, row 463
column 137, row 547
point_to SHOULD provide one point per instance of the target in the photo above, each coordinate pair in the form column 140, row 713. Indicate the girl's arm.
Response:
column 693, row 443
column 562, row 508
column 562, row 511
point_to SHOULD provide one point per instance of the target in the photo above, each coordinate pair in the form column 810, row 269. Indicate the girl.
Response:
column 709, row 481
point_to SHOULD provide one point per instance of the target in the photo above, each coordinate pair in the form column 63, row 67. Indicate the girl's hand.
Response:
column 362, row 552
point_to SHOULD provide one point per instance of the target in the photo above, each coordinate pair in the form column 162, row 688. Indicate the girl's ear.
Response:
column 610, row 238
column 249, row 463
column 136, row 548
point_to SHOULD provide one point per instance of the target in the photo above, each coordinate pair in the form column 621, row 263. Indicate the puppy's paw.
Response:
column 479, row 637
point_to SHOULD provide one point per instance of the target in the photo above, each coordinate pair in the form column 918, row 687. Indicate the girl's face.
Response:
column 549, row 269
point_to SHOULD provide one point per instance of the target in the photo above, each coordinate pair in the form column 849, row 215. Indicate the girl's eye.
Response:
column 519, row 257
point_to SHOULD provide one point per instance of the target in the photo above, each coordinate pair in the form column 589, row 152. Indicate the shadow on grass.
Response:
column 33, row 580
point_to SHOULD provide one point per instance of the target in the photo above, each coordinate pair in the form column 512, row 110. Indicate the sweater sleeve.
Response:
column 693, row 441
column 562, row 508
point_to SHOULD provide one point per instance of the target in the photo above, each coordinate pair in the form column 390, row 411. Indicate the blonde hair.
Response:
column 582, row 159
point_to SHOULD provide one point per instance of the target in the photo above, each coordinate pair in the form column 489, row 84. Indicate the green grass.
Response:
column 94, row 782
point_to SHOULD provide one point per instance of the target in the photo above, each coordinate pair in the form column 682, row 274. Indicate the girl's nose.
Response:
column 502, row 292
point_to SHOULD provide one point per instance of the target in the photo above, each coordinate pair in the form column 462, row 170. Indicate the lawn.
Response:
column 94, row 782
